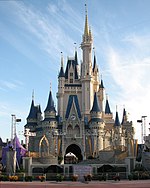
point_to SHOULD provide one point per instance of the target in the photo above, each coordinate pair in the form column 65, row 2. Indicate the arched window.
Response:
column 70, row 131
column 43, row 147
column 77, row 131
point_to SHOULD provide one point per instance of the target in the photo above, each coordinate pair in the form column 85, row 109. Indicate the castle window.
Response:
column 71, row 74
column 77, row 130
column 70, row 130
column 71, row 80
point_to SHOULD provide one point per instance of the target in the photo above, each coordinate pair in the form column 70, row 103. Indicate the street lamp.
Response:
column 143, row 127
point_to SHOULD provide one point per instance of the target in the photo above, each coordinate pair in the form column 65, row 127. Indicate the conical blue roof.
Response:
column 96, row 107
column 39, row 109
column 32, row 113
column 76, row 58
column 94, row 64
column 101, row 85
column 117, row 122
column 61, row 73
column 50, row 104
column 124, row 116
column 107, row 108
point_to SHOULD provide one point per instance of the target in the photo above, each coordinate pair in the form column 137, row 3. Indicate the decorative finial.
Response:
column 106, row 96
column 33, row 95
column 75, row 45
column 94, row 50
column 62, row 62
column 50, row 86
column 85, row 9
column 116, row 108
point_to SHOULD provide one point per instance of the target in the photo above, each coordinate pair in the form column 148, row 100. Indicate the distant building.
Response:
column 83, row 123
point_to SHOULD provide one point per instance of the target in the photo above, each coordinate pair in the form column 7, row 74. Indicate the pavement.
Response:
column 67, row 184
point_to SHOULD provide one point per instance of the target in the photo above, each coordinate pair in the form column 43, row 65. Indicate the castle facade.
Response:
column 83, row 126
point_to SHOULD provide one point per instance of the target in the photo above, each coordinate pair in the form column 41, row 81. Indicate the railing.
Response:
column 106, row 176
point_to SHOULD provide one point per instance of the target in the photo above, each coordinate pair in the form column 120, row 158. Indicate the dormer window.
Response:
column 71, row 74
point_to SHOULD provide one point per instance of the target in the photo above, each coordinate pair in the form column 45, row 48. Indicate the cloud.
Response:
column 130, row 72
column 4, row 84
column 50, row 36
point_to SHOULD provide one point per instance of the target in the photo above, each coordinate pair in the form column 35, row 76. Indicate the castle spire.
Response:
column 117, row 122
column 61, row 73
column 107, row 107
column 32, row 113
column 76, row 56
column 96, row 107
column 124, row 118
column 86, row 28
column 95, row 67
column 50, row 105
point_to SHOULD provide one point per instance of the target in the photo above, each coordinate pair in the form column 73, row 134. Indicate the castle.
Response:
column 83, row 126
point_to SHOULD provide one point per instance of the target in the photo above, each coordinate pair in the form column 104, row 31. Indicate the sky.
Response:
column 33, row 33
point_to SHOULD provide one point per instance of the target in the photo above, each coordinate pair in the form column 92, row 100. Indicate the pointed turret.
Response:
column 61, row 73
column 86, row 28
column 94, row 64
column 107, row 107
column 33, row 111
column 50, row 105
column 96, row 107
column 101, row 86
column 39, row 109
column 124, row 118
column 87, row 36
column 76, row 57
column 117, row 122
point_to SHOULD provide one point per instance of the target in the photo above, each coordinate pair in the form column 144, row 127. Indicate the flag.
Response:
column 18, row 120
column 139, row 121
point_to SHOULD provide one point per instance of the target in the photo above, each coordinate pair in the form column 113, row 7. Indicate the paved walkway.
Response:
column 65, row 184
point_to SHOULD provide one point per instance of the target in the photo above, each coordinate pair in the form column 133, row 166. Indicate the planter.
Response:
column 116, row 178
column 41, row 178
column 88, row 177
column 74, row 177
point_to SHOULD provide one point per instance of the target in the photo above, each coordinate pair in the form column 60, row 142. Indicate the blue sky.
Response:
column 33, row 34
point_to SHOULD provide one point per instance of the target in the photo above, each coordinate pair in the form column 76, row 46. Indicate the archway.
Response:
column 52, row 170
column 75, row 149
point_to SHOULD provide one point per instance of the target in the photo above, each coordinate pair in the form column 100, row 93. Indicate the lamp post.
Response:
column 143, row 128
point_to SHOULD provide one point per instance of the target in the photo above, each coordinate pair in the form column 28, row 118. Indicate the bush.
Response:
column 135, row 176
column 59, row 177
column 102, row 178
column 28, row 178
column 130, row 177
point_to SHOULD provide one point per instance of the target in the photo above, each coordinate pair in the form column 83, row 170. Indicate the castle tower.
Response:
column 50, row 111
column 95, row 74
column 117, row 131
column 97, row 126
column 101, row 91
column 86, row 73
column 60, row 94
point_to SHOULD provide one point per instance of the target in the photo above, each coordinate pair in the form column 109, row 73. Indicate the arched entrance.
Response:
column 52, row 171
column 74, row 149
